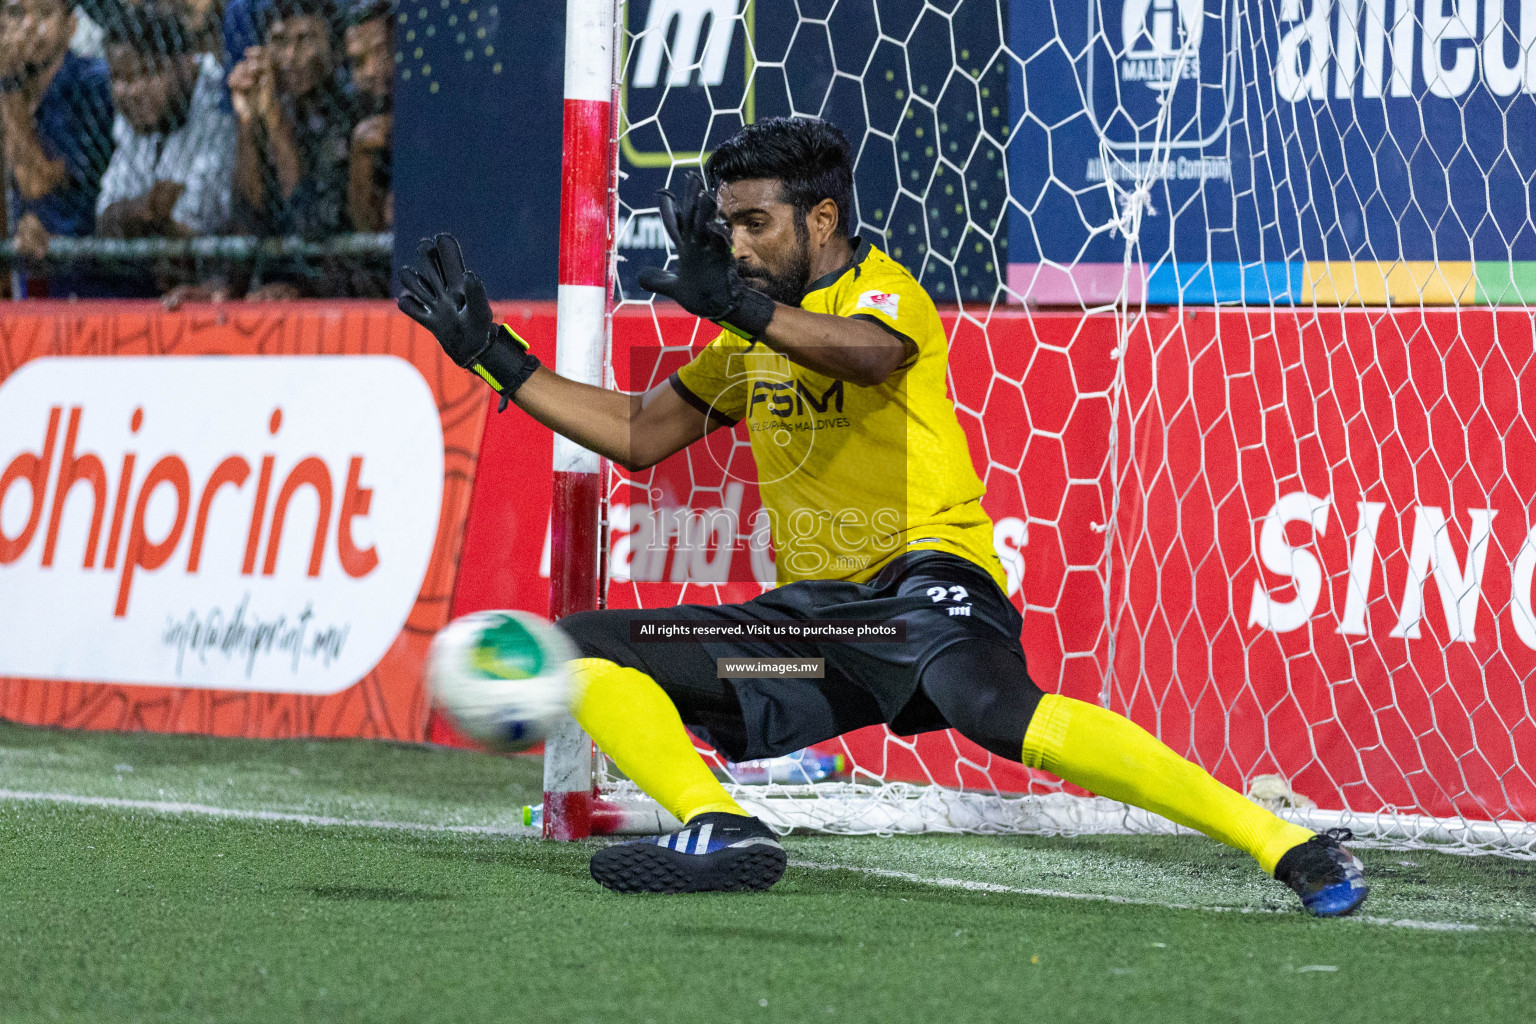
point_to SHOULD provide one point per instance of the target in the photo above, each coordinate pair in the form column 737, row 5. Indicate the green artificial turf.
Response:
column 125, row 914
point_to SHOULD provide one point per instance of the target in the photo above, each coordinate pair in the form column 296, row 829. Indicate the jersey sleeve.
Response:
column 715, row 381
column 891, row 299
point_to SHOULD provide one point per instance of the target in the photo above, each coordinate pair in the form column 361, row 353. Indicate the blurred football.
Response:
column 501, row 676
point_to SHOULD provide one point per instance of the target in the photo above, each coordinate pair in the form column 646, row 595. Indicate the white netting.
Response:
column 1234, row 294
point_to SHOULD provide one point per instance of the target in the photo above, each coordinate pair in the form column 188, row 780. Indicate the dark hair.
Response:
column 360, row 11
column 148, row 28
column 270, row 12
column 810, row 157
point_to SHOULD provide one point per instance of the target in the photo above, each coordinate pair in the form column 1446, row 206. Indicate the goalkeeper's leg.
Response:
column 721, row 847
column 984, row 691
column 638, row 724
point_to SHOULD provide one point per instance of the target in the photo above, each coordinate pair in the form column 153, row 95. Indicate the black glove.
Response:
column 450, row 302
column 706, row 283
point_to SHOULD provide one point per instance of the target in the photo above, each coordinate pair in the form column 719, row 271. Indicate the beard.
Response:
column 787, row 285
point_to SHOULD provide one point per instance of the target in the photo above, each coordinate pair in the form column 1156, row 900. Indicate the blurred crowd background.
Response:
column 197, row 149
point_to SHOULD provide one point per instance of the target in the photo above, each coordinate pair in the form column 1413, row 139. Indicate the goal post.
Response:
column 588, row 197
column 1236, row 297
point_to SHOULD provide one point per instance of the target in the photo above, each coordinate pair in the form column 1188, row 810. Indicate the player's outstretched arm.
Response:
column 634, row 431
column 707, row 284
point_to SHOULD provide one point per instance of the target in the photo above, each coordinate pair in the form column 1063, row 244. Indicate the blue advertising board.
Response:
column 477, row 136
column 1290, row 151
column 1355, row 151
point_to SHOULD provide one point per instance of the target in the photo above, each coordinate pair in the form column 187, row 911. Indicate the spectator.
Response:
column 56, row 114
column 371, row 57
column 294, row 123
column 172, row 170
column 201, row 21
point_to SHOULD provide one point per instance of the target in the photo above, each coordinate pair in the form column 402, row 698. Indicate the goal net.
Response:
column 1236, row 301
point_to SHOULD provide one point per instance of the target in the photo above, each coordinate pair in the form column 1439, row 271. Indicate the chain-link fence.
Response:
column 194, row 149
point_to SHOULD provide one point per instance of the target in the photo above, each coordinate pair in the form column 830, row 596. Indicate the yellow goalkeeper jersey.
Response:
column 853, row 476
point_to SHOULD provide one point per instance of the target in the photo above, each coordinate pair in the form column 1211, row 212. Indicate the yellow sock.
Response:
column 1114, row 757
column 634, row 722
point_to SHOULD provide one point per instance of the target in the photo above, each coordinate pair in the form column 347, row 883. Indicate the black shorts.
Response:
column 942, row 599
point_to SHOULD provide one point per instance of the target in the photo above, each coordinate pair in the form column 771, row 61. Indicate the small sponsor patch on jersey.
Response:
column 885, row 302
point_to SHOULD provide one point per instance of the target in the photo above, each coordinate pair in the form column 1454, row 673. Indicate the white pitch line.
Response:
column 208, row 810
column 1061, row 894
column 969, row 885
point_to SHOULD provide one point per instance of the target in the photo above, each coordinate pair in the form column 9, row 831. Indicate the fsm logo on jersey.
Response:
column 1144, row 54
column 239, row 523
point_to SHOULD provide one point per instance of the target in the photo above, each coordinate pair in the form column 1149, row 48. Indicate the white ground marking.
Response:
column 1019, row 890
column 969, row 885
column 207, row 810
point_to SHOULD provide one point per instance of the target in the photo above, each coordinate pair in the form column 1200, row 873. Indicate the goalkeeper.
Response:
column 836, row 359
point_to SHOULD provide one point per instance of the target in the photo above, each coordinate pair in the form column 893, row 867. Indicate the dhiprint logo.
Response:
column 252, row 523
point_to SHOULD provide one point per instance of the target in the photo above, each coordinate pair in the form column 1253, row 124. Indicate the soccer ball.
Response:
column 501, row 676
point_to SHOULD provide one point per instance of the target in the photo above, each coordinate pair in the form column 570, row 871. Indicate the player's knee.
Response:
column 985, row 693
column 593, row 636
column 597, row 634
column 592, row 679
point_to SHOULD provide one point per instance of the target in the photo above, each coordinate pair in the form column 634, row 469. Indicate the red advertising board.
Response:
column 1249, row 448
column 1324, row 557
column 1315, row 529
column 241, row 520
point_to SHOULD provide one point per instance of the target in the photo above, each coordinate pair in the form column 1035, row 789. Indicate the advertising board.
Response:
column 237, row 523
column 1316, row 536
column 196, row 584
column 1325, row 554
column 1351, row 153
